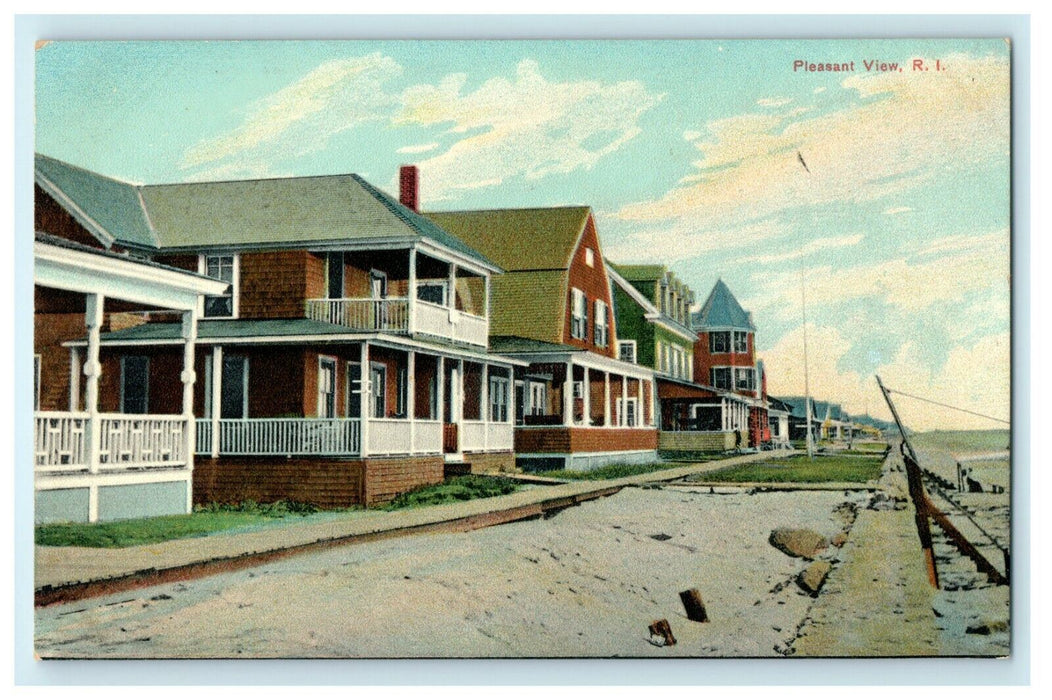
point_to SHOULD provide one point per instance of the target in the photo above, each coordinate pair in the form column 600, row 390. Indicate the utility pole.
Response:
column 807, row 385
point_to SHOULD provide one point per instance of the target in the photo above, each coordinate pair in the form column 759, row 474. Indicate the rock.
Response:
column 661, row 634
column 661, row 537
column 884, row 500
column 812, row 578
column 839, row 539
column 988, row 627
column 797, row 543
column 846, row 512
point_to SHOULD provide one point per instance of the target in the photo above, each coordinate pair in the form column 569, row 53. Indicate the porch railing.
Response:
column 479, row 436
column 390, row 314
column 445, row 322
column 281, row 436
column 60, row 441
column 125, row 441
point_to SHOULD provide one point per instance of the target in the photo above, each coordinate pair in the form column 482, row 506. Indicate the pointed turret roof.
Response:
column 722, row 310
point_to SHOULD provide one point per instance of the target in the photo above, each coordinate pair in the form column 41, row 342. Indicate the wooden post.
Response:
column 188, row 378
column 606, row 399
column 568, row 396
column 410, row 397
column 217, row 397
column 484, row 407
column 411, row 303
column 694, row 606
column 460, row 405
column 624, row 402
column 440, row 399
column 586, row 394
column 74, row 379
column 363, row 397
column 93, row 316
column 661, row 628
column 452, row 286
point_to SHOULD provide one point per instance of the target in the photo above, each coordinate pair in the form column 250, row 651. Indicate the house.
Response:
column 580, row 405
column 798, row 418
column 94, row 461
column 725, row 358
column 346, row 360
column 778, row 414
column 834, row 422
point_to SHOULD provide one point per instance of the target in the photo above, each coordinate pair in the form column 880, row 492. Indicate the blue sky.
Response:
column 685, row 150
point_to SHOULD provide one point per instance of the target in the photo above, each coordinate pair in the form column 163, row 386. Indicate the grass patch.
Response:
column 611, row 471
column 457, row 488
column 691, row 455
column 798, row 468
column 203, row 521
column 868, row 447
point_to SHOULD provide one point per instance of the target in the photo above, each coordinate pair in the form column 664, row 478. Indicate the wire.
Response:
column 946, row 405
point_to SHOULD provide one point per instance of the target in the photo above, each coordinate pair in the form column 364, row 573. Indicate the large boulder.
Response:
column 812, row 578
column 798, row 542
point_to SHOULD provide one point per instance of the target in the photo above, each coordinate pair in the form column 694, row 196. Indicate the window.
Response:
column 354, row 390
column 745, row 378
column 433, row 292
column 520, row 402
column 720, row 377
column 579, row 320
column 666, row 359
column 578, row 390
column 225, row 268
column 589, row 257
column 326, row 387
column 602, row 324
column 498, row 399
column 334, row 274
column 135, row 384
column 234, row 396
column 741, row 341
column 628, row 411
column 378, row 389
column 402, row 393
column 626, row 351
column 538, row 398
column 720, row 341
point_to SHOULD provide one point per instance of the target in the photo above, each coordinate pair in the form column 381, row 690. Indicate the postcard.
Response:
column 522, row 349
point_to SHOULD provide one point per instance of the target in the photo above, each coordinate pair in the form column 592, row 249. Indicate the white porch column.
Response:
column 217, row 397
column 639, row 404
column 412, row 290
column 452, row 286
column 653, row 402
column 460, row 396
column 586, row 392
column 410, row 396
column 568, row 396
column 624, row 402
column 606, row 399
column 93, row 315
column 511, row 396
column 723, row 415
column 440, row 398
column 74, row 379
column 363, row 397
column 486, row 283
column 189, row 377
column 484, row 408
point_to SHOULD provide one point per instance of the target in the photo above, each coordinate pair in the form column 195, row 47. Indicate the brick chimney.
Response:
column 409, row 191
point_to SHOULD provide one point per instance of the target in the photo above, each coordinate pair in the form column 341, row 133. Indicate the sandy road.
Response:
column 586, row 582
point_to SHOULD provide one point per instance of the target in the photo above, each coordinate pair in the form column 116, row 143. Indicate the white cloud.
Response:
column 818, row 90
column 683, row 241
column 808, row 248
column 691, row 135
column 962, row 265
column 301, row 117
column 418, row 148
column 774, row 101
column 892, row 211
column 906, row 127
column 974, row 377
column 525, row 126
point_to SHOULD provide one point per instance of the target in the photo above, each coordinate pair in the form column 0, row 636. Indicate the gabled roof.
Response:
column 722, row 310
column 640, row 273
column 516, row 311
column 797, row 406
column 510, row 344
column 240, row 213
column 519, row 239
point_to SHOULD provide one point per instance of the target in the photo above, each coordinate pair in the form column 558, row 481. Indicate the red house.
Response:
column 578, row 406
column 346, row 361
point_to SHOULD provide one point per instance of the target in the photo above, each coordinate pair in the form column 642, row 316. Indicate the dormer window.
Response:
column 225, row 268
column 720, row 341
column 602, row 324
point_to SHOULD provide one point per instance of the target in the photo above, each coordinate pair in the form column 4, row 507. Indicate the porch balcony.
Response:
column 394, row 315
column 63, row 444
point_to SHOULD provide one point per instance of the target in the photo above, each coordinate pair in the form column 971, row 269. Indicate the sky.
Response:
column 894, row 239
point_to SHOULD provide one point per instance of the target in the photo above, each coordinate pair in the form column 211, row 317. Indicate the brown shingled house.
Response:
column 346, row 361
column 577, row 405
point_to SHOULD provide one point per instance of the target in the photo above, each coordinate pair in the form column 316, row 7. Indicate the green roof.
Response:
column 722, row 310
column 640, row 273
column 514, row 307
column 232, row 328
column 519, row 239
column 243, row 213
column 510, row 344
